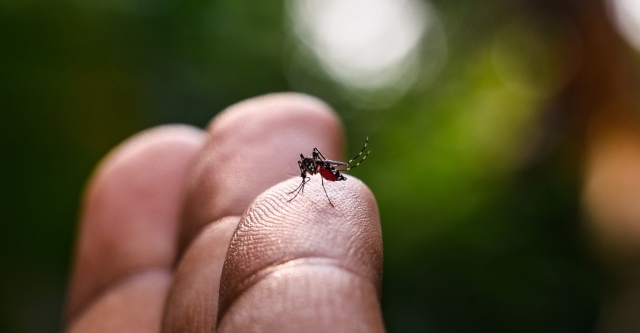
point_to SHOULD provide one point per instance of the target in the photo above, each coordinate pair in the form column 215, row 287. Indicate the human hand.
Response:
column 172, row 240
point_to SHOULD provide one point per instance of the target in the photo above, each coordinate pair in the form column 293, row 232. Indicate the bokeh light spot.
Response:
column 366, row 45
column 626, row 15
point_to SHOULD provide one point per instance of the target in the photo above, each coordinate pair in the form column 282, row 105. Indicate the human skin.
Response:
column 185, row 230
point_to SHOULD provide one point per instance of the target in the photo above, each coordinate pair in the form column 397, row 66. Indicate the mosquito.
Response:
column 327, row 169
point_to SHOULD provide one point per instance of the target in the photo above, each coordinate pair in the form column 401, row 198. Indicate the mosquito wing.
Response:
column 334, row 162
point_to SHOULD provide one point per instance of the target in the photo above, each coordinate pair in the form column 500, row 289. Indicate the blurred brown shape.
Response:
column 602, row 103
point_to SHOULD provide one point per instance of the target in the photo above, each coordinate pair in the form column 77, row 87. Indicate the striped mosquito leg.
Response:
column 362, row 160
column 366, row 142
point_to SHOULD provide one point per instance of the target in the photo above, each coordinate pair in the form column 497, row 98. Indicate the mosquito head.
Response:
column 309, row 164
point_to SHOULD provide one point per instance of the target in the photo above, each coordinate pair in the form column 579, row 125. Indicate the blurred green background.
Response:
column 472, row 164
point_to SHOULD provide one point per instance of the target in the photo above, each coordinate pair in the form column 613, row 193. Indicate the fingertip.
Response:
column 292, row 120
column 131, row 210
column 273, row 235
column 287, row 104
column 146, row 142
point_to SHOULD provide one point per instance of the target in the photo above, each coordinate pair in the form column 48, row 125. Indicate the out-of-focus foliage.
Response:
column 477, row 198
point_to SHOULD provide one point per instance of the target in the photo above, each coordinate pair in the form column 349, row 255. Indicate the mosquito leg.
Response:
column 306, row 180
column 316, row 152
column 325, row 192
column 362, row 160
column 366, row 142
column 297, row 190
column 300, row 187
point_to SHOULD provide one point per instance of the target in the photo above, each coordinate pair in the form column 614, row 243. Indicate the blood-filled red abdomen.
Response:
column 328, row 175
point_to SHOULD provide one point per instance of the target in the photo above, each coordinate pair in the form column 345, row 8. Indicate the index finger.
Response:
column 250, row 147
